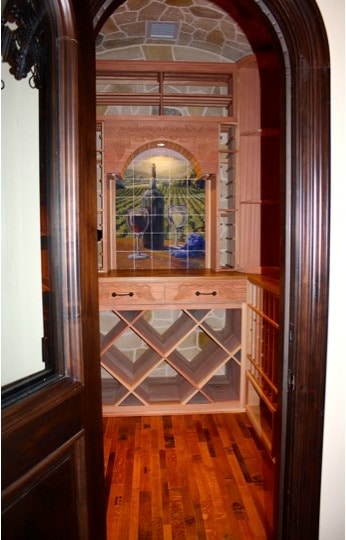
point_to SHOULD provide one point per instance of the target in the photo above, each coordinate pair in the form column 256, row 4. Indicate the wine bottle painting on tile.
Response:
column 164, row 184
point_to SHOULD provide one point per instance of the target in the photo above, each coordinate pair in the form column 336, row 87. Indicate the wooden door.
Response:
column 52, row 455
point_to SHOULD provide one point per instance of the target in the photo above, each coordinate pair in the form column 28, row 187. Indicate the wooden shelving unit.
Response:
column 262, row 360
column 160, row 86
column 175, row 344
column 195, row 359
column 177, row 355
column 242, row 204
column 160, row 349
column 258, row 197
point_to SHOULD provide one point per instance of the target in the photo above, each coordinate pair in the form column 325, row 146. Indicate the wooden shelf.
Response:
column 130, row 373
column 261, row 132
column 159, row 82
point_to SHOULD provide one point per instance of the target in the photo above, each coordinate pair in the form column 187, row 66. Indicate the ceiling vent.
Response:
column 162, row 30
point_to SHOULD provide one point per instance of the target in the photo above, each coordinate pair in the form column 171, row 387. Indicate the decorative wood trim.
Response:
column 60, row 399
column 158, row 410
column 306, row 272
column 83, row 77
column 218, row 71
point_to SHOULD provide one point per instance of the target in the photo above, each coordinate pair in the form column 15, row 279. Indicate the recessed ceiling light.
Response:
column 162, row 30
column 161, row 144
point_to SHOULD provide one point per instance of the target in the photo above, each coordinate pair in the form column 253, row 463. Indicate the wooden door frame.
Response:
column 306, row 271
column 299, row 30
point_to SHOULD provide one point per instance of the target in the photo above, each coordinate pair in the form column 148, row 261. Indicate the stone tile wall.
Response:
column 205, row 33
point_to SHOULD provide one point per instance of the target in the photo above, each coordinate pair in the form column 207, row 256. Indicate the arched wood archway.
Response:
column 296, row 31
column 168, row 144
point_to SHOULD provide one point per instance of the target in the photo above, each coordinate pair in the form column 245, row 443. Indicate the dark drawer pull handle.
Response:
column 114, row 294
column 199, row 293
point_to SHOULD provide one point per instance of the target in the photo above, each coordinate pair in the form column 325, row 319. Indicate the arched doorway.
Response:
column 305, row 193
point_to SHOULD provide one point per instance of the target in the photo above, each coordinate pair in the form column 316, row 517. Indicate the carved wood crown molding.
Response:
column 21, row 47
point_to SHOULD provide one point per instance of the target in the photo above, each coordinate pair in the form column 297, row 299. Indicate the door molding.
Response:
column 306, row 272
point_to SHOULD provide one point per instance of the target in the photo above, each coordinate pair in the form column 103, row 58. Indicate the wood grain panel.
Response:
column 32, row 515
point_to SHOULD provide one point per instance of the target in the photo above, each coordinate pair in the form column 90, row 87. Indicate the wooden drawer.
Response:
column 206, row 291
column 114, row 294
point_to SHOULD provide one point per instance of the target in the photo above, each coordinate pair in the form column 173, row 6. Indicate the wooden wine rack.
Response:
column 202, row 343
column 262, row 359
column 100, row 193
column 180, row 352
column 226, row 236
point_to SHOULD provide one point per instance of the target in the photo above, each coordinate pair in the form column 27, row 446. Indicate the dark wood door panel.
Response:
column 45, row 506
column 48, row 461
column 37, row 426
column 44, row 466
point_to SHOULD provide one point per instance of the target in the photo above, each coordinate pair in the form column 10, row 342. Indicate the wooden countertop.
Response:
column 267, row 281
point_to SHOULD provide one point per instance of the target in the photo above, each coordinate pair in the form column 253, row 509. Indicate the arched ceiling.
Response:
column 203, row 32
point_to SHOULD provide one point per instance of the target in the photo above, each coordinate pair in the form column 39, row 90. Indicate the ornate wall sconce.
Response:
column 22, row 32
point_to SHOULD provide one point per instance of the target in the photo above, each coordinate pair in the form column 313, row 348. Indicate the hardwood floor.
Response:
column 193, row 477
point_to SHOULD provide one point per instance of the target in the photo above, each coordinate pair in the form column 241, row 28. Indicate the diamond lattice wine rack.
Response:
column 182, row 357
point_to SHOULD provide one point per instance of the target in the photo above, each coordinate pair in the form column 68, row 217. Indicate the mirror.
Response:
column 21, row 301
column 27, row 353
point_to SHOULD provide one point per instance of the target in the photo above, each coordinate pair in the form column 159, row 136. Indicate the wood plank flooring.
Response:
column 186, row 477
